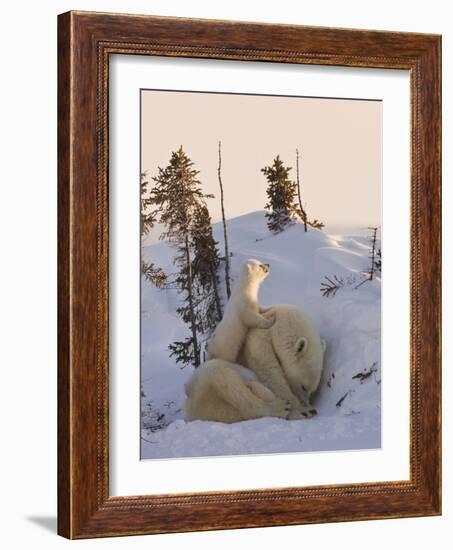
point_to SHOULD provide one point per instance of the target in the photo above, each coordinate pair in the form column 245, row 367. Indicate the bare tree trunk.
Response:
column 225, row 238
column 373, row 251
column 304, row 214
column 196, row 353
column 216, row 293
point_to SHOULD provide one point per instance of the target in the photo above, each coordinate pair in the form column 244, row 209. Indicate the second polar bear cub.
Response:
column 242, row 313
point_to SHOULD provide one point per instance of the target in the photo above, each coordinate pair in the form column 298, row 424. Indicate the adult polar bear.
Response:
column 288, row 358
column 284, row 361
column 225, row 392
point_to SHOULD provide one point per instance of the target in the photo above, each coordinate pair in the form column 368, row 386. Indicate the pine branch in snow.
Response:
column 365, row 374
column 340, row 401
column 155, row 420
column 330, row 380
column 331, row 287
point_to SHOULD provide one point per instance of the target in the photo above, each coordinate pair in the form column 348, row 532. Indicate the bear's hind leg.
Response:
column 231, row 388
column 261, row 391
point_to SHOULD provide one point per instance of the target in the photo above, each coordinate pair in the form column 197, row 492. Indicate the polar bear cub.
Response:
column 242, row 313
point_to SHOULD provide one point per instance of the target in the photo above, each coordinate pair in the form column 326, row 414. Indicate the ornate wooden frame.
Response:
column 85, row 41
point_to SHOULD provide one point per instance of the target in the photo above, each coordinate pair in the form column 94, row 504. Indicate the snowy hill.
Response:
column 348, row 400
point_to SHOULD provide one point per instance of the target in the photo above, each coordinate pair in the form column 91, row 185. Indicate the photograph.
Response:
column 261, row 271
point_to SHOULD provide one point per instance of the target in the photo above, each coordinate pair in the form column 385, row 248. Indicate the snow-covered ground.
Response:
column 349, row 396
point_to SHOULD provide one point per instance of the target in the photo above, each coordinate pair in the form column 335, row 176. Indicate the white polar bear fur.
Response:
column 220, row 391
column 287, row 358
column 284, row 368
column 242, row 313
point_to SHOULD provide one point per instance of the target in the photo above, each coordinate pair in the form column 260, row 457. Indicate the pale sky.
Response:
column 339, row 142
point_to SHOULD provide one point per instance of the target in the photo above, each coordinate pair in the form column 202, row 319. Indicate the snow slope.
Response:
column 349, row 415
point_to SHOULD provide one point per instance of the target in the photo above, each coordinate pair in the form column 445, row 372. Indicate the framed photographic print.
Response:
column 249, row 275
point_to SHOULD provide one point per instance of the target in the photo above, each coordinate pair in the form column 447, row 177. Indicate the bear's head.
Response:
column 253, row 270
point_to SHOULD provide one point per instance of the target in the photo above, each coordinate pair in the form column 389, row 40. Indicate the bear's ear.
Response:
column 301, row 345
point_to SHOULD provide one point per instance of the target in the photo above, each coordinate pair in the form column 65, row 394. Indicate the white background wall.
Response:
column 28, row 125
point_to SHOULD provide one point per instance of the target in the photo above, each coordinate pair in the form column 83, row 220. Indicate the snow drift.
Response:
column 349, row 397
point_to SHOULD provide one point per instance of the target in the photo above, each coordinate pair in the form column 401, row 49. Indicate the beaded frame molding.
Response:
column 85, row 41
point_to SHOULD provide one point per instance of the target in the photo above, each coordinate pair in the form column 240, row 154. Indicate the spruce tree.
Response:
column 177, row 196
column 150, row 271
column 282, row 193
column 147, row 215
column 205, row 266
column 188, row 351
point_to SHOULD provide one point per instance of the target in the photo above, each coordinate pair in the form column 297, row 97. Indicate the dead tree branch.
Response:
column 225, row 237
column 304, row 214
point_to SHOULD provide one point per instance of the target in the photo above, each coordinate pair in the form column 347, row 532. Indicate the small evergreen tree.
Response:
column 150, row 271
column 177, row 197
column 188, row 351
column 147, row 216
column 282, row 193
column 205, row 266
